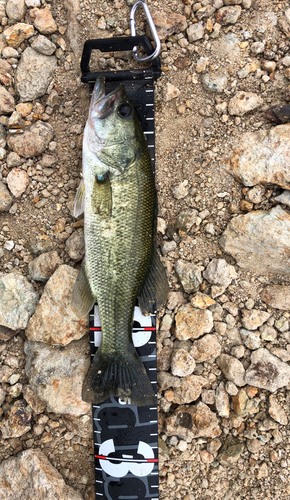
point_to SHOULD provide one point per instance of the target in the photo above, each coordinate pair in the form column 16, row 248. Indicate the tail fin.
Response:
column 118, row 376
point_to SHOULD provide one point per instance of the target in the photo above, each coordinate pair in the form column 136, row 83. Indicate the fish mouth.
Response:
column 104, row 104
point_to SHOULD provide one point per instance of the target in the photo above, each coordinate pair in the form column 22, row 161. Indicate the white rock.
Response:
column 243, row 102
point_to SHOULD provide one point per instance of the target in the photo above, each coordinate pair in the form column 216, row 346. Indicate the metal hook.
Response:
column 152, row 28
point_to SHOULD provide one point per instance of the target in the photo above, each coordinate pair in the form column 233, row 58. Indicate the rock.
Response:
column 220, row 273
column 42, row 268
column 259, row 240
column 201, row 301
column 192, row 323
column 254, row 318
column 228, row 14
column 182, row 363
column 262, row 157
column 16, row 421
column 228, row 47
column 7, row 103
column 222, row 402
column 267, row 371
column 256, row 194
column 175, row 299
column 34, row 402
column 277, row 296
column 18, row 301
column 43, row 21
column 171, row 92
column 230, row 456
column 17, row 33
column 166, row 380
column 276, row 411
column 17, row 181
column 190, row 422
column 284, row 198
column 168, row 246
column 189, row 389
column 34, row 74
column 243, row 405
column 232, row 369
column 195, row 32
column 30, row 476
column 43, row 45
column 75, row 245
column 204, row 12
column 15, row 9
column 251, row 340
column 186, row 220
column 263, row 471
column 189, row 275
column 56, row 374
column 164, row 359
column 34, row 140
column 168, row 23
column 206, row 348
column 268, row 333
column 54, row 322
column 201, row 64
column 214, row 82
column 257, row 48
column 243, row 102
column 180, row 190
column 6, row 199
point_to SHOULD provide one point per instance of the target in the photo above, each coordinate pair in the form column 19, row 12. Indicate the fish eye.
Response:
column 124, row 110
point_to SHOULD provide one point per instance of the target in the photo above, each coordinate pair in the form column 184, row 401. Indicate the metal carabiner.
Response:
column 152, row 28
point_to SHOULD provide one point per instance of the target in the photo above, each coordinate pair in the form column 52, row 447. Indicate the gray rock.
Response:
column 252, row 340
column 195, row 32
column 33, row 141
column 175, row 299
column 75, row 245
column 257, row 48
column 267, row 371
column 256, row 194
column 43, row 45
column 228, row 47
column 192, row 323
column 222, row 402
column 284, row 198
column 193, row 421
column 244, row 102
column 5, row 198
column 7, row 103
column 54, row 322
column 18, row 301
column 42, row 268
column 16, row 421
column 166, row 380
column 231, row 455
column 34, row 74
column 14, row 160
column 180, row 190
column 168, row 246
column 214, row 82
column 186, row 220
column 232, row 369
column 262, row 157
column 189, row 275
column 30, row 476
column 56, row 374
column 277, row 296
column 220, row 273
column 260, row 241
column 15, row 9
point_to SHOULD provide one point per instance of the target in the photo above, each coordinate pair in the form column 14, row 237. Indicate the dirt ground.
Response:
column 192, row 139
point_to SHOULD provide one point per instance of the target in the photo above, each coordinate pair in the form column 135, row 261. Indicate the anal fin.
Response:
column 155, row 289
column 82, row 299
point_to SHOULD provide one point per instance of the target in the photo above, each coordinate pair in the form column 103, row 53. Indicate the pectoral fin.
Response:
column 155, row 290
column 82, row 299
column 102, row 196
column 79, row 200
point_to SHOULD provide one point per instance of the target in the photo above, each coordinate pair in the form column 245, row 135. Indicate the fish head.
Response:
column 113, row 132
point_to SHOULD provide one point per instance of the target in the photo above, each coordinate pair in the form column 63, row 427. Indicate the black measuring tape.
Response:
column 126, row 436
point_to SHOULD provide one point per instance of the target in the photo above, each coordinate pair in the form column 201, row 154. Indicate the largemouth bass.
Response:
column 118, row 199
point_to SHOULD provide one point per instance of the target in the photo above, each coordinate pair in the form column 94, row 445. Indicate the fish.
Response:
column 118, row 198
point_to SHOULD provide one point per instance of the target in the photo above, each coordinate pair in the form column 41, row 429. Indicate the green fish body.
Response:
column 118, row 198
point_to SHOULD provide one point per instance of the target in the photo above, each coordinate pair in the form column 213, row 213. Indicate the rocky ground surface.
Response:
column 223, row 181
